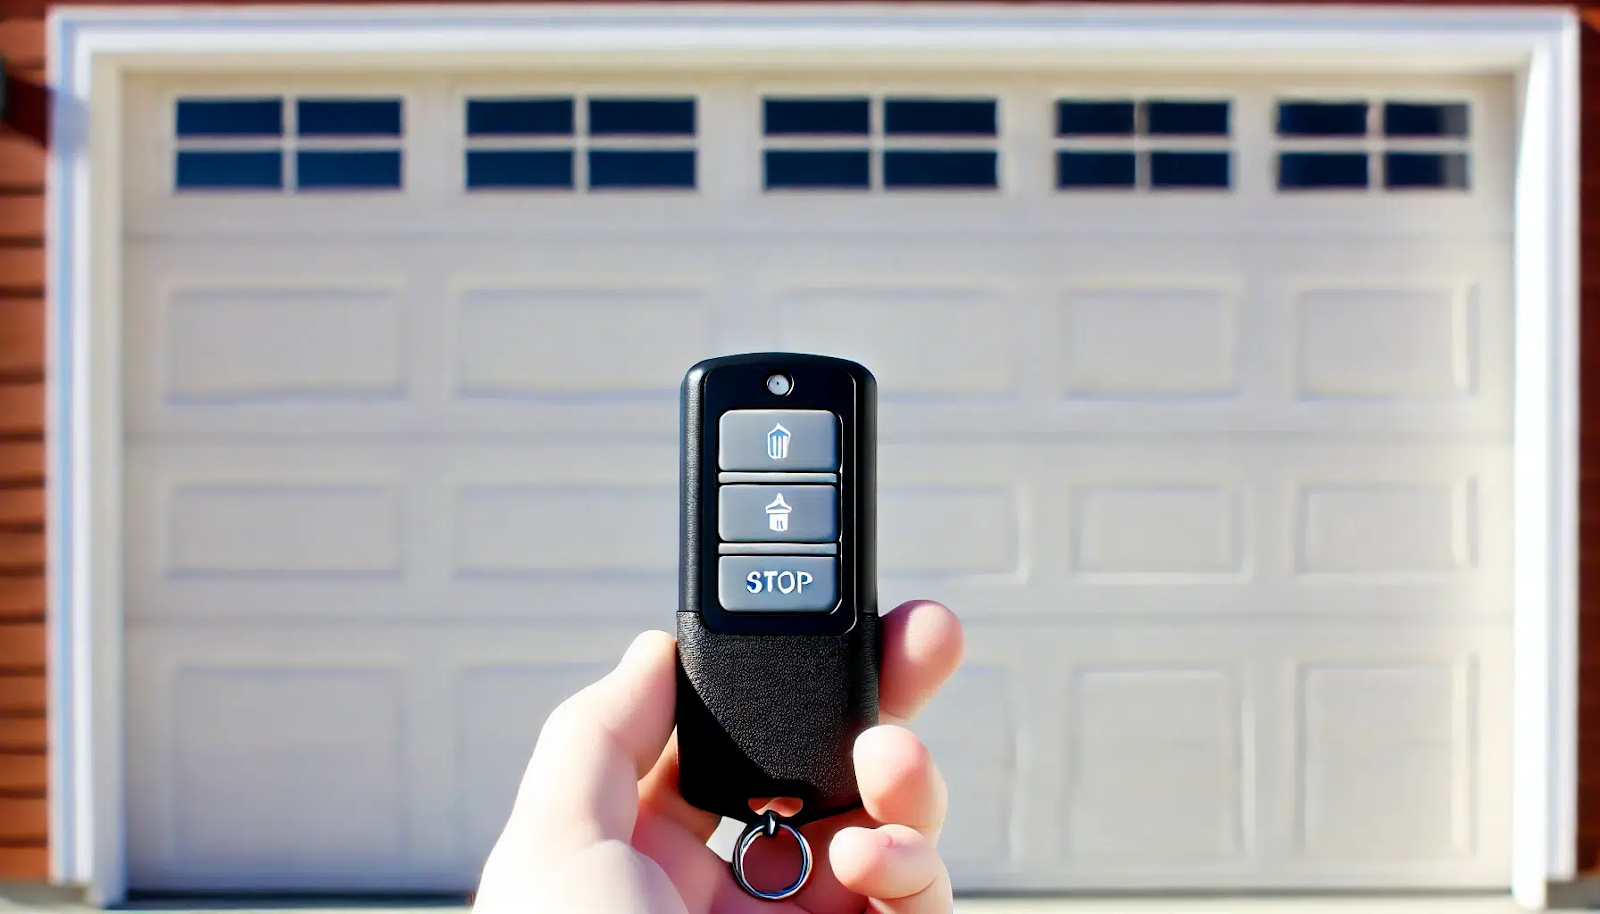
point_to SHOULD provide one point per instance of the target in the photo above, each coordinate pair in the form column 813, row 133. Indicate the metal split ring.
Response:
column 767, row 827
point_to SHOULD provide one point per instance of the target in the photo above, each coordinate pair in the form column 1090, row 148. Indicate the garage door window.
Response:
column 559, row 144
column 918, row 144
column 315, row 144
column 1150, row 144
column 1358, row 145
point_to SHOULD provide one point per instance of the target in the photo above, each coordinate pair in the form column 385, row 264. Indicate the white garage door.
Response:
column 1195, row 407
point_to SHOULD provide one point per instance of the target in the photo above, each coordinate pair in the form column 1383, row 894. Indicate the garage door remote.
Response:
column 778, row 634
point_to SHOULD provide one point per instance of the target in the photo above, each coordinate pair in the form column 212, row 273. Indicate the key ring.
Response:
column 767, row 827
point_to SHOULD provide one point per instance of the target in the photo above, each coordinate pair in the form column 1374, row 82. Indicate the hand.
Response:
column 599, row 827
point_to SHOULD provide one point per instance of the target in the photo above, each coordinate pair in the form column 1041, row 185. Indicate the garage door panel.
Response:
column 1133, row 531
column 493, row 687
column 962, row 529
column 283, row 528
column 1218, row 605
column 349, row 533
column 274, row 533
column 209, row 747
column 499, row 710
column 1382, row 772
column 392, row 344
column 1393, row 762
column 1390, row 343
column 1157, row 342
column 1155, row 765
column 1162, row 715
column 517, row 529
column 1400, row 517
column 1222, row 528
column 949, row 342
column 282, row 748
column 319, row 344
column 242, row 341
column 1271, row 754
column 640, row 598
column 281, row 725
column 974, row 731
column 578, row 342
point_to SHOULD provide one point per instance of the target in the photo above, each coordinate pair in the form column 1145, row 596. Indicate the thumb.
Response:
column 582, row 785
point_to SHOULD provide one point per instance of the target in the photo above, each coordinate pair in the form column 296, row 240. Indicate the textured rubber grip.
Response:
column 774, row 716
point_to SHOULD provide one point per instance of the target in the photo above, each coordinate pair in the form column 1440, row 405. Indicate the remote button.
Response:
column 777, row 583
column 778, row 514
column 778, row 440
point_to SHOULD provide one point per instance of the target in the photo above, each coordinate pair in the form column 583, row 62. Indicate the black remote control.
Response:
column 778, row 633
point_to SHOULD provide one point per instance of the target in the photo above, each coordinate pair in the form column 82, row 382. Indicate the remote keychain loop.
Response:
column 767, row 827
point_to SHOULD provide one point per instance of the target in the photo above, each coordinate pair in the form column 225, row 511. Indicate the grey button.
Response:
column 778, row 514
column 779, row 440
column 777, row 583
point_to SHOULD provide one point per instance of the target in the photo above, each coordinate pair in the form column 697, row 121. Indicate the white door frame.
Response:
column 92, row 50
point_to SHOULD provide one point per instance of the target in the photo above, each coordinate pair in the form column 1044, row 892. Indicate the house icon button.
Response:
column 778, row 514
column 778, row 443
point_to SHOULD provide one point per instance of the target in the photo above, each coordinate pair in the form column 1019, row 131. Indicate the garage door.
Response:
column 1195, row 407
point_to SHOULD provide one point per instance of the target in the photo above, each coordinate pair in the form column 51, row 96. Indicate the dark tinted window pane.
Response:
column 254, row 169
column 1411, row 119
column 641, row 117
column 1321, row 170
column 617, row 168
column 1186, row 118
column 1094, row 118
column 1445, row 170
column 348, row 117
column 828, row 168
column 519, row 117
column 914, row 168
column 347, row 169
column 230, row 117
column 939, row 117
column 1175, row 170
column 1322, row 119
column 816, row 116
column 491, row 168
column 1080, row 169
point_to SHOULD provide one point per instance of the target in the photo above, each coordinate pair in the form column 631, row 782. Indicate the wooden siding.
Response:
column 23, row 745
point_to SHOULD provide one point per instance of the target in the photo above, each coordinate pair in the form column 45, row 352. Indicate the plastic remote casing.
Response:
column 769, row 704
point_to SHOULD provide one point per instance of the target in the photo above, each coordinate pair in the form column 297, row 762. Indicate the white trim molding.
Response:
column 91, row 51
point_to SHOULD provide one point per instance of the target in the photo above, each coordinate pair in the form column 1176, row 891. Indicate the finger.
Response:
column 899, row 785
column 893, row 865
column 922, row 646
column 899, row 781
column 658, row 793
column 823, row 892
column 695, row 870
column 582, row 784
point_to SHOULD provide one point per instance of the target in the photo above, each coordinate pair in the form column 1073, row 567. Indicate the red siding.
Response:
column 23, row 746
